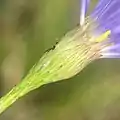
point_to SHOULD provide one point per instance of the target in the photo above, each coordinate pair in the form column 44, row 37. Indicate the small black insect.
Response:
column 52, row 48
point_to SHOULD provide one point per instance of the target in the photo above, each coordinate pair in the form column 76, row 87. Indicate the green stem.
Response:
column 10, row 98
column 16, row 92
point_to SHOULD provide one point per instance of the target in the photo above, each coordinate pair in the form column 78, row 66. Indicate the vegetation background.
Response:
column 27, row 29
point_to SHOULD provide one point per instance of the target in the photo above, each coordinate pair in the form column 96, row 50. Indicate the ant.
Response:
column 52, row 48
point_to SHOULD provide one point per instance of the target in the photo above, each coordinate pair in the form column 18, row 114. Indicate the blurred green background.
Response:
column 27, row 29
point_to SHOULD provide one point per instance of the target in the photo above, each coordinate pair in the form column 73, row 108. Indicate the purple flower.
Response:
column 106, row 17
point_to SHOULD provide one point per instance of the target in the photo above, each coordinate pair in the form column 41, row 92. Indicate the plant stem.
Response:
column 16, row 92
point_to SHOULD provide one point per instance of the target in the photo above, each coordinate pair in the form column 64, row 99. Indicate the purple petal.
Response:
column 84, row 6
column 111, row 51
column 107, row 16
column 110, row 55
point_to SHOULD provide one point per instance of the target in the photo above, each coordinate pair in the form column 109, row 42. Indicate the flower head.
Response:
column 105, row 26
